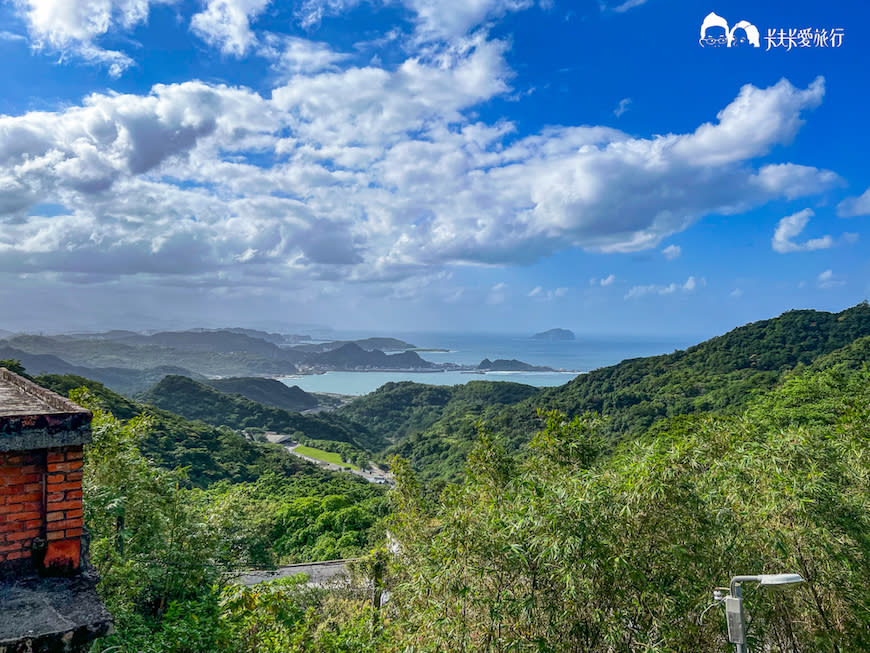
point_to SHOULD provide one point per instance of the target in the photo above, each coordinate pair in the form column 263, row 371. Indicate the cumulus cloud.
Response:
column 364, row 174
column 226, row 24
column 852, row 207
column 688, row 286
column 790, row 228
column 73, row 26
column 672, row 251
column 292, row 55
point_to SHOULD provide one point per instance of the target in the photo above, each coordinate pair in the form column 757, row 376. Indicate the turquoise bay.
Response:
column 577, row 356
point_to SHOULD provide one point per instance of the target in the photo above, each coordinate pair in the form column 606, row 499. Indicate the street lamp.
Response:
column 734, row 603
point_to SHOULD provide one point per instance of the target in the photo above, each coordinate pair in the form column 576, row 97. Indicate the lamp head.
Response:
column 780, row 579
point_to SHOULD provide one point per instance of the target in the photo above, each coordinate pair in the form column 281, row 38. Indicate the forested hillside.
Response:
column 720, row 375
column 269, row 392
column 573, row 548
column 197, row 401
column 575, row 541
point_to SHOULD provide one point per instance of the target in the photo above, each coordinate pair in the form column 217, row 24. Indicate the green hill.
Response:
column 210, row 454
column 571, row 547
column 197, row 401
column 351, row 356
column 269, row 392
column 721, row 375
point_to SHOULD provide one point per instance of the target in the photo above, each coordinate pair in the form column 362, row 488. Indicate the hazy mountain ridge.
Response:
column 351, row 356
column 124, row 380
column 369, row 344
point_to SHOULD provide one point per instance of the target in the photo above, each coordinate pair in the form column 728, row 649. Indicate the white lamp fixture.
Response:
column 734, row 602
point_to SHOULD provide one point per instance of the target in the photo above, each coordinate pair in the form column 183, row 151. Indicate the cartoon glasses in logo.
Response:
column 716, row 33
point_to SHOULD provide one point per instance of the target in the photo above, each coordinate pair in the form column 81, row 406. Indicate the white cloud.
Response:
column 226, row 24
column 449, row 19
column 621, row 7
column 538, row 292
column 11, row 36
column 639, row 291
column 291, row 55
column 72, row 26
column 855, row 206
column 622, row 107
column 672, row 251
column 311, row 12
column 435, row 19
column 828, row 279
column 790, row 228
column 360, row 174
column 737, row 292
column 497, row 294
column 604, row 281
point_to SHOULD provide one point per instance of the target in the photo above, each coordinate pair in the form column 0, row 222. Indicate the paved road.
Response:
column 319, row 573
column 372, row 475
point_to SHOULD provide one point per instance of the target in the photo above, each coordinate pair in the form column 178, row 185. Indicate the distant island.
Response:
column 512, row 365
column 554, row 334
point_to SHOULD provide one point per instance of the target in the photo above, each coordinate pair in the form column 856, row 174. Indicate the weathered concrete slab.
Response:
column 50, row 615
column 320, row 574
column 32, row 417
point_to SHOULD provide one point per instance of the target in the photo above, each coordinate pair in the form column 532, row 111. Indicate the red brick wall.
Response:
column 21, row 504
column 63, row 507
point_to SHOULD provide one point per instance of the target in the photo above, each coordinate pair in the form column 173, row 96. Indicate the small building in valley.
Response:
column 48, row 598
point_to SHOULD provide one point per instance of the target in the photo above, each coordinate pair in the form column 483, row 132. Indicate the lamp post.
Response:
column 734, row 603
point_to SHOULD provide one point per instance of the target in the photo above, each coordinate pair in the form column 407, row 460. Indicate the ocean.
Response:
column 574, row 356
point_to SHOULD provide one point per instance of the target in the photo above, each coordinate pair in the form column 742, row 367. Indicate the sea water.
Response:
column 572, row 356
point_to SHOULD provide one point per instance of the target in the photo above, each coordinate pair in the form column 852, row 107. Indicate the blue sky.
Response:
column 498, row 165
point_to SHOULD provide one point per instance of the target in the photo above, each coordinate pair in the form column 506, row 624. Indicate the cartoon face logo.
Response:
column 744, row 34
column 715, row 33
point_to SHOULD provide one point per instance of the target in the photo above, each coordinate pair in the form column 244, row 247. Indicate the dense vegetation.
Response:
column 209, row 453
column 567, row 548
column 567, row 530
column 167, row 555
column 269, row 392
column 720, row 375
column 197, row 401
column 434, row 426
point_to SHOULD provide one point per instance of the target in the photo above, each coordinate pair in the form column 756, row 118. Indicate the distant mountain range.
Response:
column 131, row 362
column 369, row 344
column 351, row 356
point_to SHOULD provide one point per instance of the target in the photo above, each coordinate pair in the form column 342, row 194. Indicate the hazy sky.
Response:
column 501, row 165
